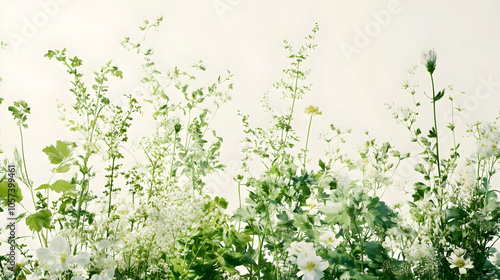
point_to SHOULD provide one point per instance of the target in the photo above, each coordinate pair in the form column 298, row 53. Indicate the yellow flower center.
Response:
column 460, row 263
column 62, row 257
column 310, row 266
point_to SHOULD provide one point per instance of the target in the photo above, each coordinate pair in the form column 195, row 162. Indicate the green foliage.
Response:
column 39, row 220
column 58, row 186
column 453, row 205
column 20, row 112
column 153, row 219
column 9, row 193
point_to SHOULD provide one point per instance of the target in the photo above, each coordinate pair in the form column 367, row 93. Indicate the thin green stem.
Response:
column 30, row 186
column 361, row 240
column 294, row 96
column 173, row 156
column 111, row 185
column 436, row 128
column 24, row 158
column 307, row 141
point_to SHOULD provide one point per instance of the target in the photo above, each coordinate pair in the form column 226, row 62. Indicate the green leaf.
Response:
column 43, row 187
column 7, row 193
column 62, row 186
column 301, row 221
column 432, row 133
column 420, row 168
column 59, row 153
column 374, row 251
column 221, row 202
column 39, row 220
column 379, row 214
column 50, row 54
column 322, row 165
column 63, row 168
column 439, row 96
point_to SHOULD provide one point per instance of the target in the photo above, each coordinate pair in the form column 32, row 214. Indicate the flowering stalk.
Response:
column 313, row 111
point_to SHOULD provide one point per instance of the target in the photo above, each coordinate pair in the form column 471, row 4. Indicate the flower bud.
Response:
column 430, row 61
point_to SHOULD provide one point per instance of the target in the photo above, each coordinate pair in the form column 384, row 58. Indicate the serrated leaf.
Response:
column 64, row 148
column 43, row 187
column 221, row 202
column 39, row 220
column 62, row 186
column 15, row 193
column 59, row 153
column 379, row 214
column 374, row 250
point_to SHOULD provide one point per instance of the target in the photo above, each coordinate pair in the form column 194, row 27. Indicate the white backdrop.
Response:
column 365, row 49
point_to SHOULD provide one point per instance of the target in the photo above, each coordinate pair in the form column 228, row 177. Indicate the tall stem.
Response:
column 111, row 186
column 307, row 141
column 173, row 156
column 25, row 169
column 294, row 96
column 436, row 128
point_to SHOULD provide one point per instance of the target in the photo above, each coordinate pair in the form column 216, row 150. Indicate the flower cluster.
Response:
column 311, row 266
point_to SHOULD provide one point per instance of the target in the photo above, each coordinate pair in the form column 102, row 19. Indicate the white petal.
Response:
column 56, row 267
column 323, row 265
column 45, row 255
column 59, row 245
column 110, row 273
column 82, row 258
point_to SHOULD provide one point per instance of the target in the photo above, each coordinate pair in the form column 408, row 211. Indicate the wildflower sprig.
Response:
column 155, row 219
column 450, row 205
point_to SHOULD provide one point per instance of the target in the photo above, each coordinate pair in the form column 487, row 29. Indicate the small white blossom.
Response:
column 329, row 239
column 302, row 247
column 419, row 251
column 311, row 206
column 311, row 266
column 59, row 257
column 460, row 262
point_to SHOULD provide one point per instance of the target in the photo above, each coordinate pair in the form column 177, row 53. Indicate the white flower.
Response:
column 311, row 266
column 460, row 262
column 419, row 251
column 106, row 274
column 488, row 143
column 301, row 248
column 123, row 211
column 59, row 257
column 311, row 206
column 329, row 239
column 390, row 244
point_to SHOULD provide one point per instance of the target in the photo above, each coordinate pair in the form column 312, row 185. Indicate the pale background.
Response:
column 245, row 37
